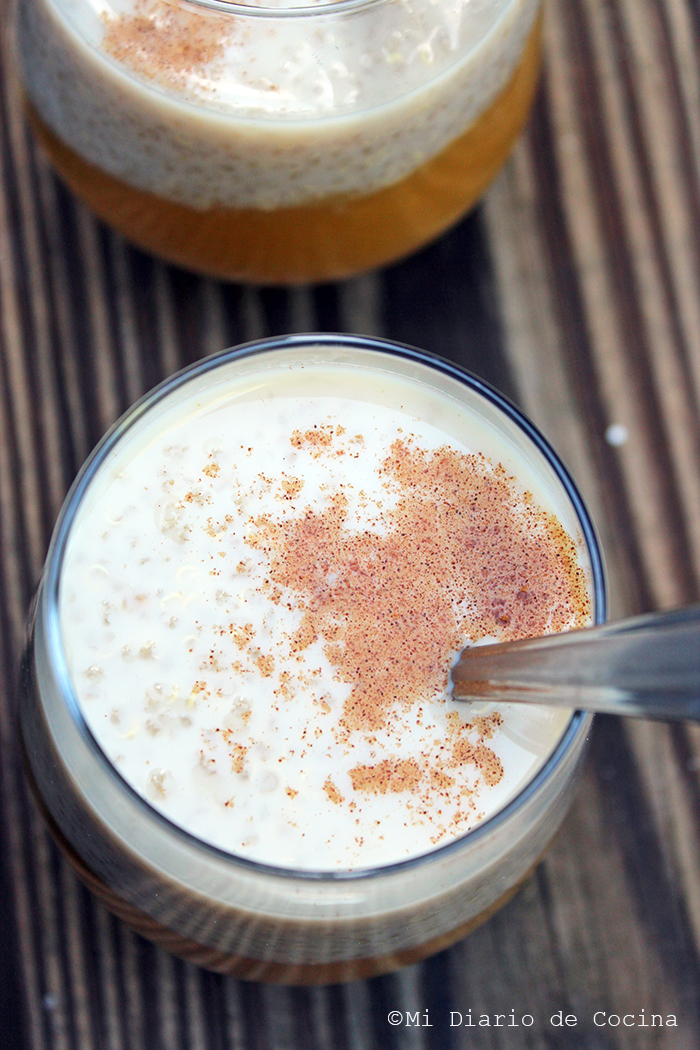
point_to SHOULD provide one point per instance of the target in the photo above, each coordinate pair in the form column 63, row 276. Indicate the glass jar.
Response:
column 279, row 145
column 230, row 912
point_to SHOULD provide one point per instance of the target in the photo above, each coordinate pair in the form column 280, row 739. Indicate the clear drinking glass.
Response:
column 231, row 913
column 279, row 144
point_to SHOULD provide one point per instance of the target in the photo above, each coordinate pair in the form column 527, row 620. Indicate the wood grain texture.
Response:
column 575, row 288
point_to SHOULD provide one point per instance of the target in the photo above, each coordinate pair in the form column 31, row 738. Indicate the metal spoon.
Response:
column 645, row 666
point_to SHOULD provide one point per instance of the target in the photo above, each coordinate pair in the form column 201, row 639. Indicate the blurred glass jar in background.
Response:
column 279, row 144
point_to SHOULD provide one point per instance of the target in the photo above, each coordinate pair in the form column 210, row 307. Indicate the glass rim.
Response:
column 51, row 579
column 328, row 7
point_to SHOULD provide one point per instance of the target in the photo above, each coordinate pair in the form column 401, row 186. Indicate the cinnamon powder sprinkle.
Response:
column 486, row 761
column 394, row 776
column 486, row 725
column 266, row 665
column 166, row 43
column 292, row 487
column 317, row 437
column 463, row 556
column 238, row 753
column 332, row 792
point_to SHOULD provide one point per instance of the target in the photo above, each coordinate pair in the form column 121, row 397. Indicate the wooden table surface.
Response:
column 575, row 288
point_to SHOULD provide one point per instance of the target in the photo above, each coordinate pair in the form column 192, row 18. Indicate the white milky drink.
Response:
column 235, row 712
column 262, row 593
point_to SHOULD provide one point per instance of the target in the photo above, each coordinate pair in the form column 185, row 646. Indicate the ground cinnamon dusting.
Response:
column 266, row 665
column 398, row 776
column 486, row 725
column 165, row 42
column 238, row 753
column 487, row 761
column 292, row 487
column 332, row 792
column 463, row 557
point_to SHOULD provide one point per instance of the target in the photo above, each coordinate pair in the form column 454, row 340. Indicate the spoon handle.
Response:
column 646, row 666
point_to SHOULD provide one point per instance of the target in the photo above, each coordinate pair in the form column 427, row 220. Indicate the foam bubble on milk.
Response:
column 247, row 602
column 266, row 112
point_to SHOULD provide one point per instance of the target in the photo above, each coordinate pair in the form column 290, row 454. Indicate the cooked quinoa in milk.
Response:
column 260, row 604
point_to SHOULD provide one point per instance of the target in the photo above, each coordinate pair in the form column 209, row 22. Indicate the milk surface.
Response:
column 265, row 110
column 248, row 596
